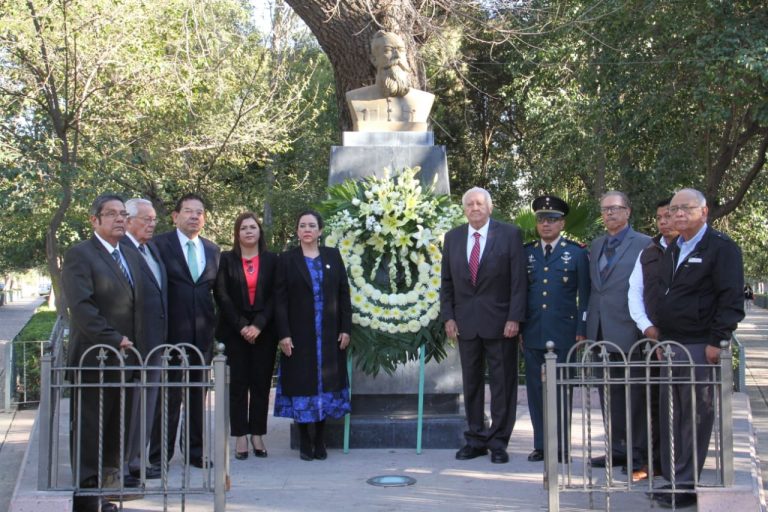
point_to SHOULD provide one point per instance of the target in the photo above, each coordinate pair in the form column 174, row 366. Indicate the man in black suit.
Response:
column 191, row 263
column 153, row 328
column 482, row 301
column 100, row 285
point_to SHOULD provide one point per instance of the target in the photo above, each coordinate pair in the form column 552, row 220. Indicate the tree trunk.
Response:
column 344, row 30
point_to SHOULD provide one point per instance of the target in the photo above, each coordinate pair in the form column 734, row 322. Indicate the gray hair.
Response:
column 475, row 190
column 698, row 195
column 132, row 205
column 624, row 197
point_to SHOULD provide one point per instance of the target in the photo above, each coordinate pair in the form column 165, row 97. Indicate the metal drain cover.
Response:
column 391, row 481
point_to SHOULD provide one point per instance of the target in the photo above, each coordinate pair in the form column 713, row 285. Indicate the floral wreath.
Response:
column 390, row 233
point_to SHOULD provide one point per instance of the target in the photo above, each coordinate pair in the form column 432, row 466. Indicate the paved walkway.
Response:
column 283, row 482
column 15, row 426
column 753, row 334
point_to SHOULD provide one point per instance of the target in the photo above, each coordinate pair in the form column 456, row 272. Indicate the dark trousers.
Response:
column 173, row 399
column 151, row 392
column 250, row 378
column 617, row 415
column 684, row 414
column 534, row 359
column 501, row 357
column 90, row 422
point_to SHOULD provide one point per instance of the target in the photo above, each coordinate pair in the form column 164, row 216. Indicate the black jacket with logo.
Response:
column 702, row 300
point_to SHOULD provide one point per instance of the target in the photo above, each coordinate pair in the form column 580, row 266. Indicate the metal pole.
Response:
column 44, row 424
column 420, row 415
column 348, row 417
column 726, row 412
column 220, row 430
column 549, row 377
column 8, row 374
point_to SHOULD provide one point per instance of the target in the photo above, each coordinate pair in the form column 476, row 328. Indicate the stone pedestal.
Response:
column 385, row 407
column 369, row 153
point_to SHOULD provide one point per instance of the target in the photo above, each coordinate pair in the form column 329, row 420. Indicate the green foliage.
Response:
column 580, row 224
column 39, row 326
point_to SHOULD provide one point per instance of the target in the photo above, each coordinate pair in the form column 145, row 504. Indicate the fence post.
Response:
column 549, row 377
column 44, row 422
column 9, row 371
column 726, row 412
column 220, row 429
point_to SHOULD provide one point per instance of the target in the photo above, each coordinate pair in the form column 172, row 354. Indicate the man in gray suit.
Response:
column 103, row 292
column 613, row 257
column 153, row 328
column 482, row 301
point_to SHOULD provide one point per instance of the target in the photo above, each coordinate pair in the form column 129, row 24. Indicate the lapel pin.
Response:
column 327, row 266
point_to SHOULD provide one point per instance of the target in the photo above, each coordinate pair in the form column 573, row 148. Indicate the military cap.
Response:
column 549, row 206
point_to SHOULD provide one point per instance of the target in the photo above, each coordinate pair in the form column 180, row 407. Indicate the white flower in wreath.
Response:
column 355, row 202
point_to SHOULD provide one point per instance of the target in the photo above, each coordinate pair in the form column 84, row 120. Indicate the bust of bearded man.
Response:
column 390, row 104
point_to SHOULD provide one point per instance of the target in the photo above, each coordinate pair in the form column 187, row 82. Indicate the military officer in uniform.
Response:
column 558, row 293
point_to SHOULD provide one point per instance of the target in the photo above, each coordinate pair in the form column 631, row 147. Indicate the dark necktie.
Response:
column 474, row 259
column 606, row 260
column 143, row 249
column 547, row 250
column 119, row 261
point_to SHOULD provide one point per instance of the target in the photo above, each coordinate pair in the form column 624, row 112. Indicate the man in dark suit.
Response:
column 140, row 227
column 613, row 257
column 191, row 263
column 103, row 293
column 700, row 304
column 558, row 293
column 482, row 301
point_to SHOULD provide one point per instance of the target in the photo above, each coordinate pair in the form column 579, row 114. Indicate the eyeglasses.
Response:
column 682, row 208
column 612, row 209
column 148, row 220
column 112, row 214
column 547, row 220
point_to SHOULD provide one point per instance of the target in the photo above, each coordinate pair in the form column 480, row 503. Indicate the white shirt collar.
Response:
column 483, row 230
column 108, row 246
column 135, row 242
column 184, row 238
column 553, row 243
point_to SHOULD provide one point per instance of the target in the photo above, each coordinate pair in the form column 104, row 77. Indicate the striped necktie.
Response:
column 474, row 259
column 119, row 261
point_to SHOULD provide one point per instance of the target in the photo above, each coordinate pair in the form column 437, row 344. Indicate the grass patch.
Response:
column 39, row 326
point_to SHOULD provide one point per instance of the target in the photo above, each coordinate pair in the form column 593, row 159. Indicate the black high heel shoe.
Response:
column 262, row 454
column 240, row 455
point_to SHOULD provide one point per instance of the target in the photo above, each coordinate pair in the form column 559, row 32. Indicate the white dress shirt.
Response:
column 198, row 249
column 635, row 294
column 110, row 249
column 471, row 239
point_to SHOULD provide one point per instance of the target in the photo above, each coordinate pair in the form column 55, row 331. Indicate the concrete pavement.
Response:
column 15, row 426
column 284, row 482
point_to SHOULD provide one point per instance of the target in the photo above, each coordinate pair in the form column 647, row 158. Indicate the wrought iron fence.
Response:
column 578, row 422
column 108, row 394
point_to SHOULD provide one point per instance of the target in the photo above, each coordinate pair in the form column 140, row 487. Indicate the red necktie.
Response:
column 474, row 259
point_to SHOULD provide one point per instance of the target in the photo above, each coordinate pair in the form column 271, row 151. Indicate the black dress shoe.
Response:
column 152, row 472
column 198, row 463
column 91, row 504
column 536, row 456
column 470, row 452
column 600, row 462
column 499, row 456
column 131, row 481
column 680, row 500
column 241, row 455
column 320, row 452
column 262, row 454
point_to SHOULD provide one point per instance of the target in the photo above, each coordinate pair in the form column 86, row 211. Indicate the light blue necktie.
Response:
column 192, row 260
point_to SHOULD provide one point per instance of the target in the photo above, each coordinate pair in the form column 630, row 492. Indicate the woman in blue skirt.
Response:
column 314, row 318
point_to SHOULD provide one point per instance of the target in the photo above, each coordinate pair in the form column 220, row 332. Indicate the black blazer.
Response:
column 191, row 313
column 103, row 307
column 500, row 293
column 231, row 293
column 153, row 328
column 295, row 315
